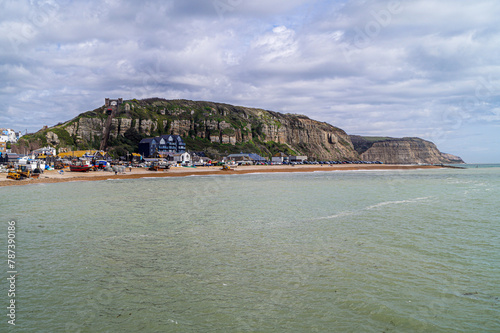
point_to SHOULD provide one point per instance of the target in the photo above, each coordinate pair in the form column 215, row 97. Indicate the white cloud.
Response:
column 280, row 43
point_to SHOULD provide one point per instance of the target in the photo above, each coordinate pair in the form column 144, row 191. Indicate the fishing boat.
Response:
column 80, row 166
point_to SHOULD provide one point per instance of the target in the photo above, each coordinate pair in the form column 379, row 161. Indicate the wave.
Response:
column 378, row 205
column 385, row 203
column 341, row 214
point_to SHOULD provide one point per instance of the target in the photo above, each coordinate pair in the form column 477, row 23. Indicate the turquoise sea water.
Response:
column 350, row 251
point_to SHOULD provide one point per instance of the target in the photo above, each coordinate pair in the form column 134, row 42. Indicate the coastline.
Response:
column 54, row 177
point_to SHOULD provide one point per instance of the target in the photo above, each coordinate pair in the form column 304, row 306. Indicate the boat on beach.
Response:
column 80, row 166
column 32, row 163
column 159, row 165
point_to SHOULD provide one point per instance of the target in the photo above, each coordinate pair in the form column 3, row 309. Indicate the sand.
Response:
column 67, row 176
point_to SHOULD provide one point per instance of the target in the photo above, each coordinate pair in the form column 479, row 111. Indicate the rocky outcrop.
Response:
column 52, row 138
column 85, row 127
column 401, row 151
column 452, row 159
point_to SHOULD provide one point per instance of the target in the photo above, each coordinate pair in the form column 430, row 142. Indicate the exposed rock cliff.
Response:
column 214, row 127
column 401, row 151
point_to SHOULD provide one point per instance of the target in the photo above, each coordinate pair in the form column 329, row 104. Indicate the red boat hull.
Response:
column 79, row 168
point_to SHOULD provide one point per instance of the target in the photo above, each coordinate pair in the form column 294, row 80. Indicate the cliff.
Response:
column 401, row 151
column 219, row 129
column 215, row 128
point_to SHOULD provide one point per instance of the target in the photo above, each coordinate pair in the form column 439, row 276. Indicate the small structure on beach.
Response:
column 242, row 157
column 135, row 157
column 298, row 159
column 182, row 157
column 199, row 158
column 176, row 157
column 280, row 158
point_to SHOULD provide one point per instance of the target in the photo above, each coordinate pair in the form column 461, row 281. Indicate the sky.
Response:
column 428, row 69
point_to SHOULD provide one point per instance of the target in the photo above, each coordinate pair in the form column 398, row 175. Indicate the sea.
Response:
column 333, row 251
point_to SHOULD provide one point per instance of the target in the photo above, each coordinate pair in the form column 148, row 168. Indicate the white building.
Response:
column 7, row 134
column 298, row 158
column 184, row 158
column 280, row 158
column 45, row 151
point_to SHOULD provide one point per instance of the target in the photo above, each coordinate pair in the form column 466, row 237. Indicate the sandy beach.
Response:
column 55, row 177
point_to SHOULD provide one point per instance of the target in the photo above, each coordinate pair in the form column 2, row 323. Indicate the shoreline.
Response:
column 53, row 176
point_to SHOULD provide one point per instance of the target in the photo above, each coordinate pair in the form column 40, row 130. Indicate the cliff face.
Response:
column 401, row 151
column 206, row 124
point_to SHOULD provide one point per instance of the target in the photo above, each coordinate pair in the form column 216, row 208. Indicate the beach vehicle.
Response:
column 58, row 165
column 226, row 167
column 13, row 174
column 157, row 166
column 21, row 172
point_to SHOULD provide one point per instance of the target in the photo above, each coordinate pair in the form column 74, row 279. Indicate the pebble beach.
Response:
column 54, row 176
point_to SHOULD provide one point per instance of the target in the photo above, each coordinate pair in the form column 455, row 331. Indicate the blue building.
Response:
column 161, row 144
column 148, row 147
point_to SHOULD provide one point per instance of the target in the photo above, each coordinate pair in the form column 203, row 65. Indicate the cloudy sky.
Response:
column 392, row 68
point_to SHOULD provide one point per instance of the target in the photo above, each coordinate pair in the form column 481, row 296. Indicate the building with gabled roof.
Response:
column 45, row 151
column 149, row 147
